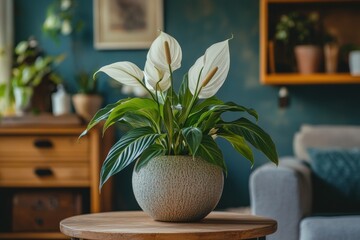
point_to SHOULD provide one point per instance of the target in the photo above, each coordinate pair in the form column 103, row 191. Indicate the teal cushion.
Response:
column 336, row 174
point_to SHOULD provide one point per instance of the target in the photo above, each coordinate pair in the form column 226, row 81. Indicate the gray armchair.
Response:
column 286, row 193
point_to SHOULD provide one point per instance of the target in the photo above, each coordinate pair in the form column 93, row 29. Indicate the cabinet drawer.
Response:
column 43, row 148
column 43, row 210
column 37, row 175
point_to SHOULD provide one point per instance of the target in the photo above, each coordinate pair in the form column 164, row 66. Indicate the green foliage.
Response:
column 181, row 125
column 86, row 83
column 298, row 28
column 61, row 20
column 32, row 68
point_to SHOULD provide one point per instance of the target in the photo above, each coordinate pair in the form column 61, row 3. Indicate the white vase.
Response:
column 354, row 62
column 61, row 102
column 22, row 97
column 178, row 188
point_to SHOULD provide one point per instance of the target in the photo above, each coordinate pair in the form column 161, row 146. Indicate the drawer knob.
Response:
column 43, row 143
column 39, row 221
column 43, row 172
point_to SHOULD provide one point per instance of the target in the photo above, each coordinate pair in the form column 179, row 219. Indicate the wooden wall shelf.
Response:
column 320, row 78
column 340, row 15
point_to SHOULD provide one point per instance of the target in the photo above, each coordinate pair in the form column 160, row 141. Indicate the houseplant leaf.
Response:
column 211, row 153
column 239, row 144
column 254, row 135
column 102, row 114
column 132, row 104
column 193, row 137
column 149, row 153
column 126, row 150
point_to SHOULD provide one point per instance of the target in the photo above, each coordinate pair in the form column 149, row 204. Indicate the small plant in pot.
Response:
column 32, row 77
column 301, row 32
column 179, row 171
column 87, row 101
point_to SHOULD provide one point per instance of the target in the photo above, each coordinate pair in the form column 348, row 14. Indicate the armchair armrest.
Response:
column 283, row 193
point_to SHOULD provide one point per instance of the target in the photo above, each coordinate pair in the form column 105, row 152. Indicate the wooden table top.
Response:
column 138, row 225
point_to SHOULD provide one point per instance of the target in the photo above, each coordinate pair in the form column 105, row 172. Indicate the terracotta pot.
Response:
column 86, row 105
column 331, row 55
column 178, row 188
column 308, row 58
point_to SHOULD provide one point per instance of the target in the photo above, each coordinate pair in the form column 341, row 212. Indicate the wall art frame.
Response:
column 126, row 24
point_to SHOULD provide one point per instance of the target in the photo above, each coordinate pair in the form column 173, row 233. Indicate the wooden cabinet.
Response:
column 47, row 174
column 342, row 16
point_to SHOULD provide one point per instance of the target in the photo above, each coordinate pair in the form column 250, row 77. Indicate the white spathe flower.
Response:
column 66, row 28
column 157, row 54
column 65, row 4
column 216, row 56
column 156, row 78
column 126, row 73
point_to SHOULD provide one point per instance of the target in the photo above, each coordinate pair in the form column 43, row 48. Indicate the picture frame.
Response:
column 126, row 24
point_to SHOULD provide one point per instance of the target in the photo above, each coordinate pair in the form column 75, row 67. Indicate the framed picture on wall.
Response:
column 127, row 24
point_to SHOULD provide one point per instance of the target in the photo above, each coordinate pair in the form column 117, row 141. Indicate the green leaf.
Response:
column 211, row 153
column 168, row 122
column 126, row 150
column 136, row 120
column 226, row 107
column 151, row 152
column 206, row 104
column 2, row 90
column 239, row 144
column 254, row 135
column 102, row 114
column 193, row 137
column 185, row 95
column 132, row 104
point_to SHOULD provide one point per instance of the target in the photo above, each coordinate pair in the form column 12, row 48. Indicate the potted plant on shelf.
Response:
column 87, row 101
column 301, row 31
column 179, row 168
column 33, row 72
column 331, row 52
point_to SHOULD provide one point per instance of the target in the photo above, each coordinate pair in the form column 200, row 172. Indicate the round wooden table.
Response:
column 139, row 226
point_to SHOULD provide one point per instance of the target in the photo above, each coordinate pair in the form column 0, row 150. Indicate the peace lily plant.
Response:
column 183, row 123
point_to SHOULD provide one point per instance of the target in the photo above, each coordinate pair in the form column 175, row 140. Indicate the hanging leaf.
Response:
column 133, row 104
column 254, row 135
column 151, row 152
column 239, row 144
column 211, row 153
column 193, row 137
column 126, row 150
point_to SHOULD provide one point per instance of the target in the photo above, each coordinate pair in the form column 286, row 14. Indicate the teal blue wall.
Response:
column 196, row 24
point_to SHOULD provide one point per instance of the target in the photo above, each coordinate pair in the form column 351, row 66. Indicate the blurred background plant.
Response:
column 300, row 35
column 297, row 28
column 32, row 67
column 60, row 19
column 86, row 84
column 33, row 77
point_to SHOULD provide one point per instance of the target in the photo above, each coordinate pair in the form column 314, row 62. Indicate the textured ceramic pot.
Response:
column 178, row 188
